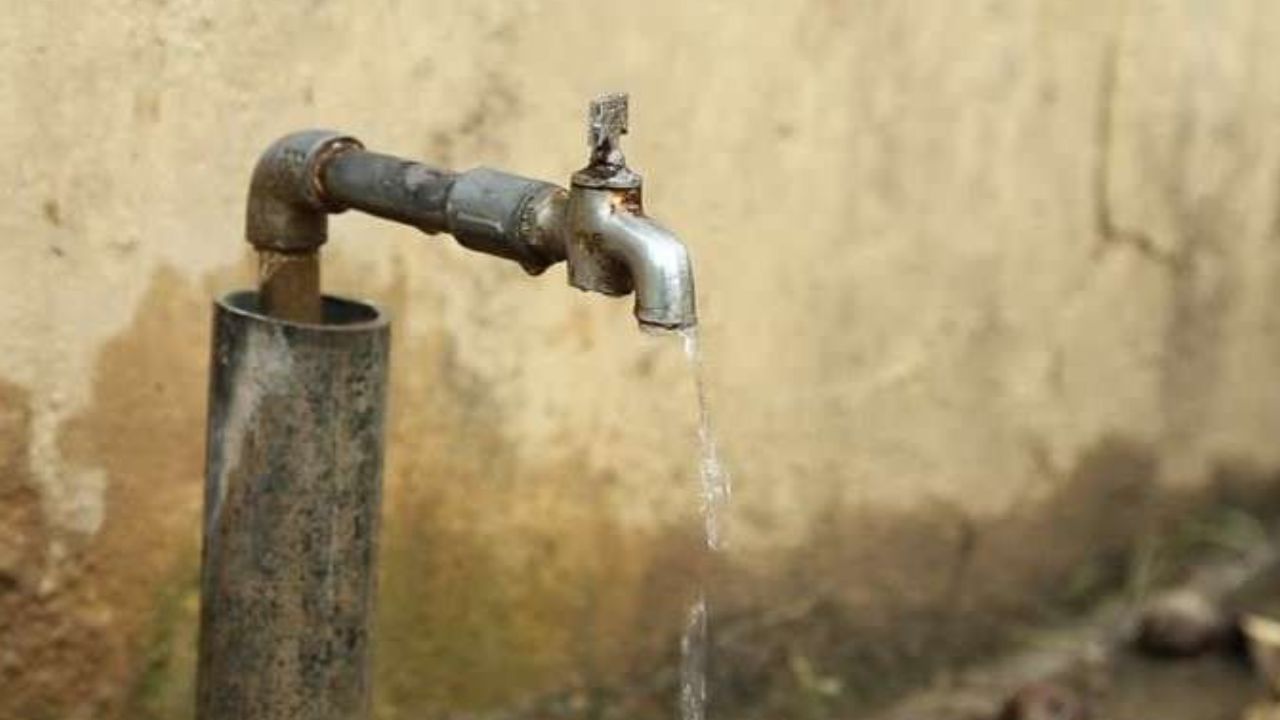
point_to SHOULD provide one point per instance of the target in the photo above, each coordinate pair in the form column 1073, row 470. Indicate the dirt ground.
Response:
column 1102, row 674
column 1208, row 688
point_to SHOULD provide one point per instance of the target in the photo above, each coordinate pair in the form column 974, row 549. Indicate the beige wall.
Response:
column 976, row 278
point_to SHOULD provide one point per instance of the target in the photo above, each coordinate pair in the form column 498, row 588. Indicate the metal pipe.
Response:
column 287, row 220
column 389, row 187
column 289, row 285
column 486, row 210
column 598, row 225
column 293, row 487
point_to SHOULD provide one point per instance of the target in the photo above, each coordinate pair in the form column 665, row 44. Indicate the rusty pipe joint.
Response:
column 286, row 221
column 508, row 216
column 288, row 208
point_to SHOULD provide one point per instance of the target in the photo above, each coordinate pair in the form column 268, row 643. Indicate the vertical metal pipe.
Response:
column 289, row 285
column 292, row 493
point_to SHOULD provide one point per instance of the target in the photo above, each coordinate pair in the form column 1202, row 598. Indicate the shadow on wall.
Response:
column 512, row 592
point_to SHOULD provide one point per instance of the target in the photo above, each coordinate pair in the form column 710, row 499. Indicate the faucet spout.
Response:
column 660, row 270
column 614, row 249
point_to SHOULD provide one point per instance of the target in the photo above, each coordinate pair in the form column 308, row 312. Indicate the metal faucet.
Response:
column 598, row 226
column 297, row 396
column 612, row 247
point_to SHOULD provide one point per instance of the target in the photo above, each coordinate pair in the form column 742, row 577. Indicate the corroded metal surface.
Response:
column 289, row 285
column 598, row 226
column 390, row 187
column 612, row 247
column 293, row 485
column 486, row 210
column 287, row 210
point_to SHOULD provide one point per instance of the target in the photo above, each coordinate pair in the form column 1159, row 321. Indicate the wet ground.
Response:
column 1208, row 688
column 1097, row 664
column 1217, row 686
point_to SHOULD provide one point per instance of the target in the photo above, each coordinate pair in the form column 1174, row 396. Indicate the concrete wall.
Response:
column 984, row 285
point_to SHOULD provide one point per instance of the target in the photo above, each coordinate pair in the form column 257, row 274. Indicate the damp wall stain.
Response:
column 514, row 587
column 62, row 653
column 85, row 603
column 902, row 299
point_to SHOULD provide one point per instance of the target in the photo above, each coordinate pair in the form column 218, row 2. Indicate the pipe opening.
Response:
column 335, row 311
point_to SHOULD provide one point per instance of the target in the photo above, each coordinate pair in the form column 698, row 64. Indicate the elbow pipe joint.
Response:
column 287, row 207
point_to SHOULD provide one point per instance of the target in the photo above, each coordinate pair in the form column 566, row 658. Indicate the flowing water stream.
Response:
column 714, row 491
column 713, row 479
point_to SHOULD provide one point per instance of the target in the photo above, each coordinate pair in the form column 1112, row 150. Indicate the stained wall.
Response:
column 986, row 287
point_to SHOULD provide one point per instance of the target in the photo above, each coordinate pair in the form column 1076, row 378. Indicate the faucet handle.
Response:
column 607, row 123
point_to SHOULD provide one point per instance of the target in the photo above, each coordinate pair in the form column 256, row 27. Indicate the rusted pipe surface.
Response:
column 293, row 486
column 289, row 285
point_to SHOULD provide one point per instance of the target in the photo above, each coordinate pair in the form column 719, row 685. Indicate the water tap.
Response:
column 598, row 227
column 612, row 247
